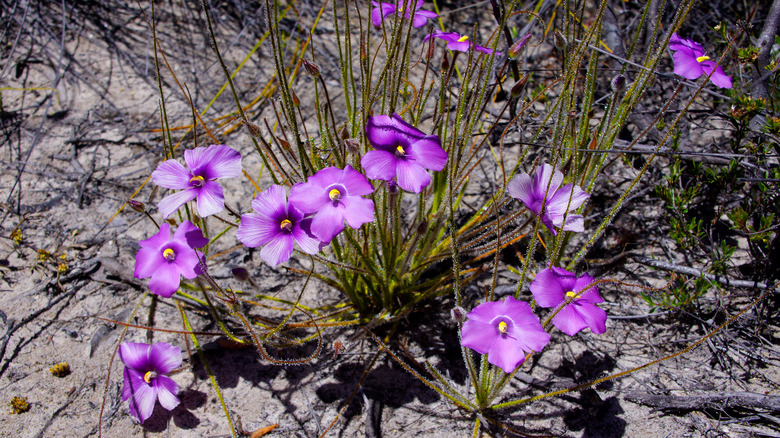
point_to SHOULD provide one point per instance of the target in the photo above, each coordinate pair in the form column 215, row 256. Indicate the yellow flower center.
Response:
column 149, row 376
column 334, row 195
column 197, row 179
column 463, row 38
column 702, row 58
column 169, row 254
column 570, row 294
column 286, row 224
column 502, row 327
column 400, row 150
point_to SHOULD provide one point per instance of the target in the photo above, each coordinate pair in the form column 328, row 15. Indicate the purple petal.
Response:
column 146, row 262
column 133, row 381
column 577, row 195
column 686, row 65
column 356, row 183
column 411, row 176
column 325, row 177
column 358, row 211
column 381, row 11
column 446, row 36
column 210, row 199
column 305, row 239
column 388, row 132
column 131, row 377
column 164, row 357
column 143, row 401
column 428, row 153
column 309, row 197
column 278, row 250
column 328, row 223
column 478, row 335
column 165, row 280
column 161, row 238
column 376, row 16
column 718, row 78
column 574, row 222
column 166, row 392
column 172, row 175
column 521, row 187
column 190, row 235
column 518, row 311
column 544, row 175
column 460, row 46
column 486, row 312
column 215, row 161
column 547, row 289
column 135, row 355
column 677, row 43
column 506, row 354
column 532, row 336
column 548, row 222
column 567, row 279
column 255, row 230
column 187, row 261
column 379, row 165
column 590, row 296
column 569, row 321
column 271, row 202
column 172, row 202
column 594, row 316
column 421, row 17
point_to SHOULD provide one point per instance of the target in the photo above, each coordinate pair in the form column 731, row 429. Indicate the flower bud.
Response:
column 240, row 274
column 296, row 101
column 254, row 130
column 139, row 207
column 363, row 54
column 392, row 188
column 458, row 314
column 422, row 227
column 312, row 68
column 445, row 63
column 618, row 83
column 429, row 53
column 519, row 86
column 517, row 47
column 353, row 146
column 559, row 39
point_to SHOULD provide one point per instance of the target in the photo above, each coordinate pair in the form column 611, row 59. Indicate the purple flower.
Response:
column 166, row 258
column 382, row 10
column 402, row 151
column 554, row 286
column 277, row 225
column 204, row 165
column 531, row 193
column 335, row 196
column 456, row 41
column 506, row 330
column 691, row 62
column 145, row 366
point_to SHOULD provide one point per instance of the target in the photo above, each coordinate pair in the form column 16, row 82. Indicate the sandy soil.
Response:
column 81, row 138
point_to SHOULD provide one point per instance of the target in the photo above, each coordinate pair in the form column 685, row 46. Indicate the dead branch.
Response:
column 721, row 401
column 666, row 266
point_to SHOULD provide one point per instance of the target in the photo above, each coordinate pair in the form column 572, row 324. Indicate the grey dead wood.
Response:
column 720, row 401
column 666, row 266
column 765, row 41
